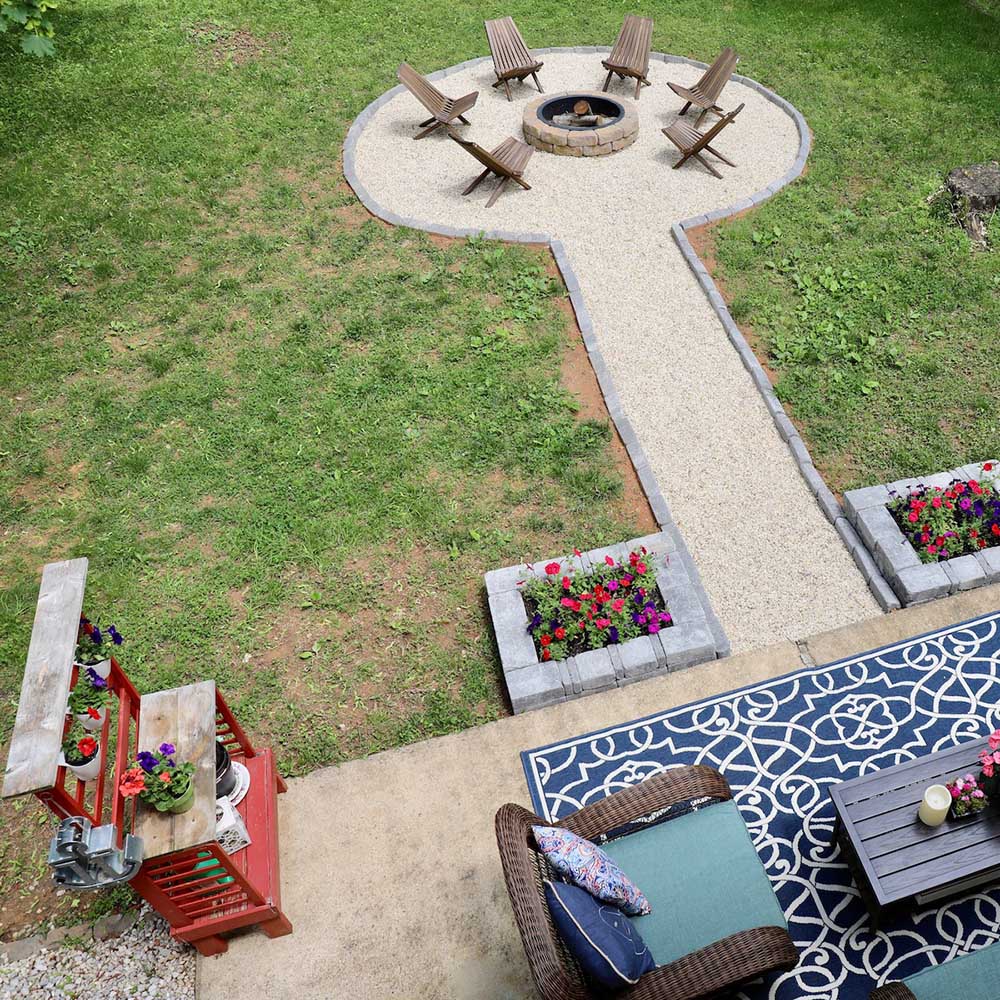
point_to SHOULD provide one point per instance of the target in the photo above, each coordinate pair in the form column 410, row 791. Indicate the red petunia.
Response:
column 560, row 633
column 566, row 582
column 552, row 568
column 987, row 467
column 92, row 712
column 577, row 552
column 609, row 560
column 995, row 528
column 545, row 639
column 546, row 654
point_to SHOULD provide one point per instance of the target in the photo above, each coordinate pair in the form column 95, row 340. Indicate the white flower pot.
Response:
column 102, row 669
column 92, row 724
column 85, row 772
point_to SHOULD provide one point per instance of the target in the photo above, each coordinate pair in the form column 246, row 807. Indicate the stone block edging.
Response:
column 913, row 581
column 655, row 498
column 534, row 684
column 828, row 503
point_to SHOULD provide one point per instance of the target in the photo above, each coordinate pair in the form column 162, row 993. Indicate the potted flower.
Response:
column 88, row 700
column 159, row 781
column 967, row 797
column 94, row 647
column 81, row 756
column 989, row 761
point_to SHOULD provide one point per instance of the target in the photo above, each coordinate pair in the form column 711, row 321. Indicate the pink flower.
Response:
column 609, row 560
column 641, row 567
column 955, row 792
column 994, row 741
column 988, row 768
column 979, row 794
column 602, row 622
column 618, row 605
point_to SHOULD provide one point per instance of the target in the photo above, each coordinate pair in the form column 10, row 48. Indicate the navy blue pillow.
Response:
column 600, row 937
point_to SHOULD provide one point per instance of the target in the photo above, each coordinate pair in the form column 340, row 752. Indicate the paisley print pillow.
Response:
column 587, row 866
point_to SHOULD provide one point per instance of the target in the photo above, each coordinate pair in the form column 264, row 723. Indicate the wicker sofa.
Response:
column 717, row 923
column 971, row 977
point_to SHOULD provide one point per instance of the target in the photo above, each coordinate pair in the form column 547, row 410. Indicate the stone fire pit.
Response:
column 580, row 124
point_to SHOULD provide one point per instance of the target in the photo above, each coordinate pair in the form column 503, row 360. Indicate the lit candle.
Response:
column 934, row 809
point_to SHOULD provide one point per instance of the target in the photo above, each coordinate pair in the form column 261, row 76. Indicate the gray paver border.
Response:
column 913, row 581
column 658, row 504
column 534, row 684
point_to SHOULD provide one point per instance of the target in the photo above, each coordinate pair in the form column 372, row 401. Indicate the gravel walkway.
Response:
column 145, row 963
column 772, row 564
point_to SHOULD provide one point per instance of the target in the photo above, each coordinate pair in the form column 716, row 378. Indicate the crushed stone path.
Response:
column 773, row 566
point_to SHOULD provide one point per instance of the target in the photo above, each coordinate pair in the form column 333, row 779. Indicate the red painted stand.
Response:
column 186, row 876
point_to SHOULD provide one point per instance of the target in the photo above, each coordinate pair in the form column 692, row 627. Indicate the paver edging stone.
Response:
column 912, row 581
column 657, row 502
column 532, row 683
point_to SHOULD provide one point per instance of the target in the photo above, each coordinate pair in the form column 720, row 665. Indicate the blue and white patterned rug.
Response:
column 782, row 744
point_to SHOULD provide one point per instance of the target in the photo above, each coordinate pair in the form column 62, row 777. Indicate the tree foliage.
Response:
column 29, row 18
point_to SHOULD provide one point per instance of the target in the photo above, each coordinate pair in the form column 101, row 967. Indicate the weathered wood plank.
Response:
column 32, row 763
column 184, row 716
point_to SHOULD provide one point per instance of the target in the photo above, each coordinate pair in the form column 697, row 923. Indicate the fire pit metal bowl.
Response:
column 580, row 124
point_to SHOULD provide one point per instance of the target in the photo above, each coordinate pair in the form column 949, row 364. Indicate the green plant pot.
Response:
column 183, row 802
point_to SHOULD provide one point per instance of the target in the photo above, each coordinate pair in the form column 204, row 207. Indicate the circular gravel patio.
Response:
column 772, row 564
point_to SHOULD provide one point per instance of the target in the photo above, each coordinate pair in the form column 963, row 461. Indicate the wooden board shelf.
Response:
column 185, row 717
column 33, row 760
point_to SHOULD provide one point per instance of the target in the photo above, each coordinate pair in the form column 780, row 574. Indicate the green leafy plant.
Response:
column 90, row 692
column 157, row 778
column 94, row 645
column 31, row 19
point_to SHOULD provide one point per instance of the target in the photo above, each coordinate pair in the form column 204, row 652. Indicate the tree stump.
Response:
column 975, row 197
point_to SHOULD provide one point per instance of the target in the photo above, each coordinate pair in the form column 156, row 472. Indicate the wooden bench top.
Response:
column 33, row 760
column 184, row 716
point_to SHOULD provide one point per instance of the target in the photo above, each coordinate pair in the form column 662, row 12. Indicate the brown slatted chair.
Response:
column 630, row 55
column 691, row 142
column 507, row 161
column 705, row 93
column 716, row 968
column 511, row 58
column 444, row 110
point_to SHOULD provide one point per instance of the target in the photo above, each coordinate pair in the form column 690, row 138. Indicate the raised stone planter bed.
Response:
column 913, row 581
column 533, row 684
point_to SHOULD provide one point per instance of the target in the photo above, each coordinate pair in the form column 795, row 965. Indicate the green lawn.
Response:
column 290, row 440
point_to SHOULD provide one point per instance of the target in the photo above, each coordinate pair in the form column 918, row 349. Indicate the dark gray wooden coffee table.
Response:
column 897, row 861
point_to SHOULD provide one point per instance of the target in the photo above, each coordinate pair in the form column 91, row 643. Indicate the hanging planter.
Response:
column 94, row 648
column 88, row 700
column 159, row 781
column 82, row 757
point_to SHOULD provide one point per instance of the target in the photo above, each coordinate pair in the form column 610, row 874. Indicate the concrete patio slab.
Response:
column 389, row 865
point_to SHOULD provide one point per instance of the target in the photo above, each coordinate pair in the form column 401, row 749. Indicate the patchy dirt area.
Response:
column 236, row 46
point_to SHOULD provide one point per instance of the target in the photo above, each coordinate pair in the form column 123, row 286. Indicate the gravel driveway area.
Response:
column 144, row 963
column 772, row 564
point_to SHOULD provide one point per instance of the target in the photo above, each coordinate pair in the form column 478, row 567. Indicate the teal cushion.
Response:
column 702, row 877
column 974, row 977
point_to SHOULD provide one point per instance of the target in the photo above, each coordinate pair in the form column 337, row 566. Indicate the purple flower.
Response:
column 95, row 679
column 96, row 636
column 653, row 628
column 554, row 624
column 639, row 619
column 535, row 622
column 638, row 599
column 664, row 617
column 612, row 634
column 167, row 749
column 612, row 585
column 116, row 637
column 147, row 761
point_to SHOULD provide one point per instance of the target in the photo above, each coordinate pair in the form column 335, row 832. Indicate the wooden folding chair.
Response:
column 691, row 142
column 705, row 93
column 444, row 110
column 511, row 58
column 507, row 161
column 630, row 54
